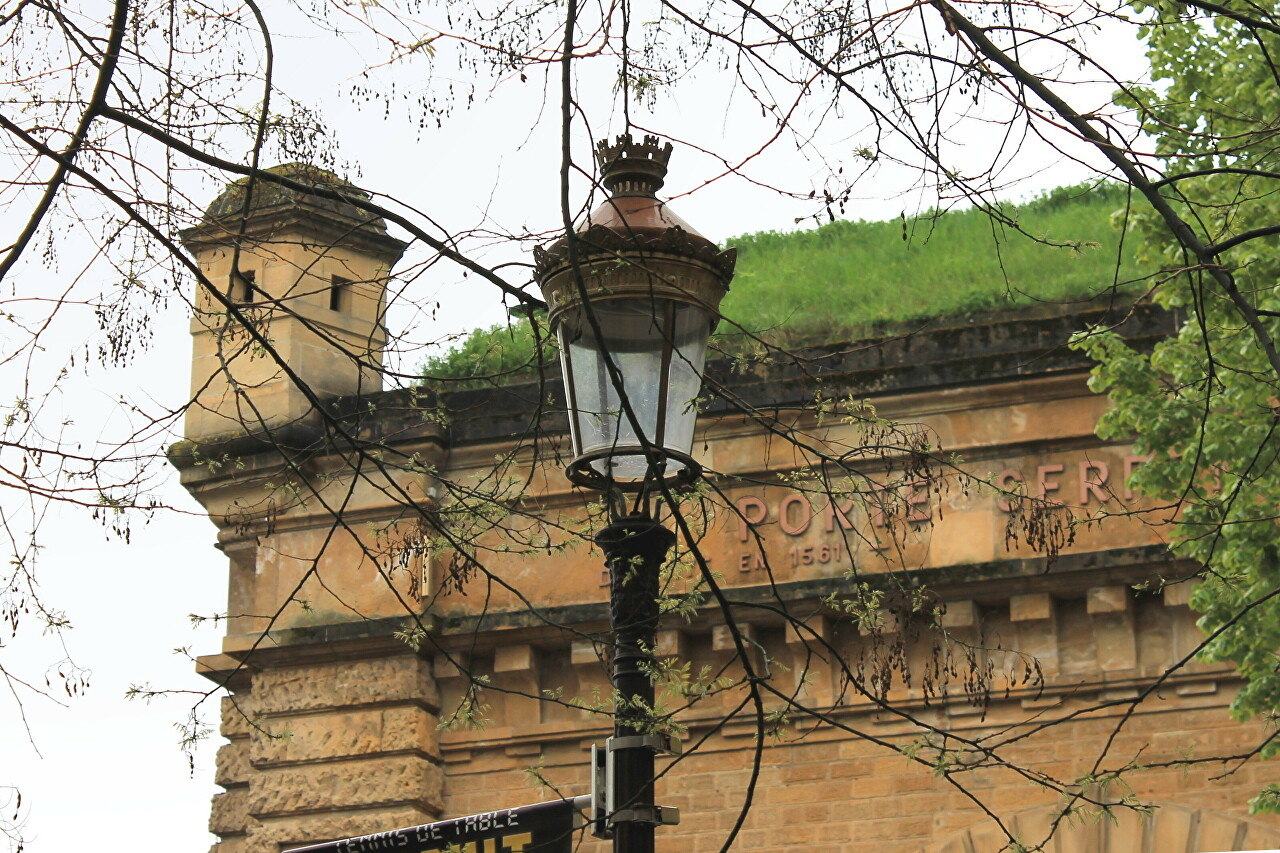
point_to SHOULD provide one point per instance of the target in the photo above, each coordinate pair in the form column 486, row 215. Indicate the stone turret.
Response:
column 330, row 720
column 308, row 272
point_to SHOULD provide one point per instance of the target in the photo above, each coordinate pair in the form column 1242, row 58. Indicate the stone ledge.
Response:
column 358, row 640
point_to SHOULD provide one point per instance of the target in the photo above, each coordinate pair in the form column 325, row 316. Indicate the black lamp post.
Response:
column 633, row 296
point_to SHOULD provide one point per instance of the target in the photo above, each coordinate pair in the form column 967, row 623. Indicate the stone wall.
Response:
column 328, row 750
column 847, row 786
column 333, row 722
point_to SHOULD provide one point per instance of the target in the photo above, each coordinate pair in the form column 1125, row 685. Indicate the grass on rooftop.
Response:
column 847, row 280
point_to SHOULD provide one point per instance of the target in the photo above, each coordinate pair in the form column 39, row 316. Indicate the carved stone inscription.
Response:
column 798, row 532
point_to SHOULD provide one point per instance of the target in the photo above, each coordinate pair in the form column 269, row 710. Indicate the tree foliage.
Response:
column 1204, row 404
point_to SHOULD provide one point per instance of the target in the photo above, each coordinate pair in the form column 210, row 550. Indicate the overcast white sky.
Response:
column 102, row 771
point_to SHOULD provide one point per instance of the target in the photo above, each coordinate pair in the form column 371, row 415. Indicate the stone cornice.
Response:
column 999, row 348
column 988, row 582
column 387, row 418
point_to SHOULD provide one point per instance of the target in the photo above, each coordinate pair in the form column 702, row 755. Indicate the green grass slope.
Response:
column 851, row 279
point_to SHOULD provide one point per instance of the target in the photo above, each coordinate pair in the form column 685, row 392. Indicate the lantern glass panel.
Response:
column 659, row 346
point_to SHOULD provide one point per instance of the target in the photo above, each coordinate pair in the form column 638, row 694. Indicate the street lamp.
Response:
column 633, row 296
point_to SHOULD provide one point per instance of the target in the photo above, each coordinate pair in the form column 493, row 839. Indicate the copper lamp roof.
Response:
column 633, row 217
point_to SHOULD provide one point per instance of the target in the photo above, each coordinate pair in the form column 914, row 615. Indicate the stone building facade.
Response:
column 332, row 718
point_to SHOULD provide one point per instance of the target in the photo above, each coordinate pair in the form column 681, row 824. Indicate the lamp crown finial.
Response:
column 633, row 168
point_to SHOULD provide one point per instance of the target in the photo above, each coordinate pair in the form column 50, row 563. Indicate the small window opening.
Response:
column 243, row 287
column 340, row 294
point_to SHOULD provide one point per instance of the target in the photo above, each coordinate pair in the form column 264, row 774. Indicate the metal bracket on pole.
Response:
column 662, row 743
column 598, row 812
column 602, row 811
column 656, row 815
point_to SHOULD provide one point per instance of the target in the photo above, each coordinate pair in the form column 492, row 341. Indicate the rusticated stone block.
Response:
column 410, row 728
column 407, row 780
column 346, row 734
column 234, row 844
column 346, row 683
column 233, row 764
column 236, row 713
column 282, row 833
column 230, row 815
